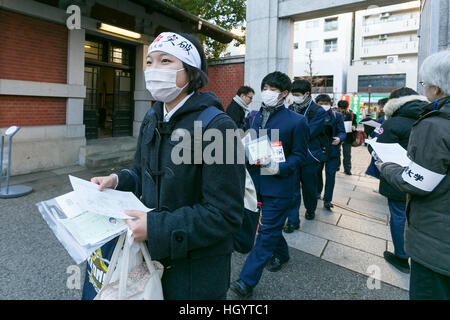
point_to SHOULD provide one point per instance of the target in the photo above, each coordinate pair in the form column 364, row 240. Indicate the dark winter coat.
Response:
column 237, row 113
column 401, row 113
column 427, row 234
column 317, row 119
column 338, row 130
column 350, row 116
column 293, row 134
column 197, row 206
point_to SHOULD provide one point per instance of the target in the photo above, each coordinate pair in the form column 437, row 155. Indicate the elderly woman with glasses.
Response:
column 426, row 181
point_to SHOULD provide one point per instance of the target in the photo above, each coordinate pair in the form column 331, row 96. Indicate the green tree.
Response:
column 227, row 14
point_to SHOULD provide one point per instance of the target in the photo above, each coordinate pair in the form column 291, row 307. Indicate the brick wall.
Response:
column 32, row 50
column 226, row 76
column 32, row 111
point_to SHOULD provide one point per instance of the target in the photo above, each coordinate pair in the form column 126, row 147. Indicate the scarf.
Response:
column 241, row 103
column 300, row 108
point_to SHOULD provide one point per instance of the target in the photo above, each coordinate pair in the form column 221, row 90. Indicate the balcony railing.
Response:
column 389, row 48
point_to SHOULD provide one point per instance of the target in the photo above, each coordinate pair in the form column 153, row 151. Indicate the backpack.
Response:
column 244, row 238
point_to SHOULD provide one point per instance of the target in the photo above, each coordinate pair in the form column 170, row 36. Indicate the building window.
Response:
column 312, row 44
column 311, row 24
column 296, row 45
column 323, row 84
column 331, row 24
column 119, row 55
column 93, row 50
column 381, row 82
column 330, row 45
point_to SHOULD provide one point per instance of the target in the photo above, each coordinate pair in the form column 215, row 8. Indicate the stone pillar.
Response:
column 434, row 30
column 75, row 76
column 269, row 42
column 142, row 98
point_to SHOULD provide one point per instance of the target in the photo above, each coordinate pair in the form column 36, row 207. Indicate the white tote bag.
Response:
column 142, row 282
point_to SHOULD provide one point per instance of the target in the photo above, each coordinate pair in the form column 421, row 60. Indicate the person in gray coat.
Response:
column 426, row 181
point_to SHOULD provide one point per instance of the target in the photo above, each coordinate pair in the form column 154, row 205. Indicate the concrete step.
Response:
column 107, row 151
column 111, row 159
column 107, row 145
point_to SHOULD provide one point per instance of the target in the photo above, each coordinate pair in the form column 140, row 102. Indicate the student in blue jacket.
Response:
column 317, row 119
column 336, row 132
column 274, row 182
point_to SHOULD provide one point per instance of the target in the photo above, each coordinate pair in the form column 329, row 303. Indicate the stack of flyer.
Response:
column 85, row 219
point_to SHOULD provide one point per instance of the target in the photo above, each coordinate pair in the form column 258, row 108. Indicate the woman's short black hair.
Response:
column 323, row 97
column 402, row 92
column 343, row 104
column 198, row 77
column 278, row 80
column 302, row 86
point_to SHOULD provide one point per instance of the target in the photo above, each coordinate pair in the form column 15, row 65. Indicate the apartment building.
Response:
column 386, row 49
column 322, row 49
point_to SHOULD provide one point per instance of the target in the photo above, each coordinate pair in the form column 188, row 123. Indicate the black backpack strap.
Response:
column 312, row 112
column 207, row 115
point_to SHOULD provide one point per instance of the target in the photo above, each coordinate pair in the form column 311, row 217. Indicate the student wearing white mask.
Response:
column 197, row 205
column 273, row 180
column 335, row 130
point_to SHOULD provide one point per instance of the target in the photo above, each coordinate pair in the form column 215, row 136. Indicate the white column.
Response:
column 75, row 76
column 142, row 98
column 269, row 43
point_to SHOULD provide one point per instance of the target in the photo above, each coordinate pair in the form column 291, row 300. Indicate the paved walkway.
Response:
column 356, row 233
column 329, row 256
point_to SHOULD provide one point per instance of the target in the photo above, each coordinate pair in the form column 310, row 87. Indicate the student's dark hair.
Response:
column 244, row 90
column 343, row 104
column 382, row 102
column 278, row 80
column 402, row 92
column 198, row 77
column 302, row 86
column 323, row 97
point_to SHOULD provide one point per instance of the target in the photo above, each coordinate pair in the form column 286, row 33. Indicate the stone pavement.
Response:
column 356, row 233
column 329, row 256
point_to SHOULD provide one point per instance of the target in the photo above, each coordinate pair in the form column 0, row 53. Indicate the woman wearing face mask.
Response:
column 197, row 206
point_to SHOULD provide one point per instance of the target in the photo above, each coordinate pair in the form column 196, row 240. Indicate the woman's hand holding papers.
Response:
column 138, row 226
column 106, row 182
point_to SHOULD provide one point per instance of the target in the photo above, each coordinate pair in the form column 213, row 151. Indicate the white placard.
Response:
column 390, row 152
column 371, row 123
column 348, row 126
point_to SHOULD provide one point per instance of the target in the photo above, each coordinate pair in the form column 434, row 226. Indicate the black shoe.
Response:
column 399, row 263
column 309, row 215
column 348, row 173
column 241, row 289
column 275, row 264
column 289, row 228
column 328, row 205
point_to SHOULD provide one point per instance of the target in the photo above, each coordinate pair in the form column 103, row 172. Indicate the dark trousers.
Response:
column 269, row 242
column 397, row 221
column 347, row 156
column 425, row 284
column 308, row 179
column 331, row 166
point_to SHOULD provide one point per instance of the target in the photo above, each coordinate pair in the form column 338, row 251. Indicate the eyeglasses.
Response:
column 422, row 83
column 250, row 97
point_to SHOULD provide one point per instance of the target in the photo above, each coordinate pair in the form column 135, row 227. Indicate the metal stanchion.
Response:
column 10, row 191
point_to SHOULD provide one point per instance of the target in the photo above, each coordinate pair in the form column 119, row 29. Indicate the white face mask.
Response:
column 270, row 98
column 327, row 107
column 298, row 100
column 162, row 84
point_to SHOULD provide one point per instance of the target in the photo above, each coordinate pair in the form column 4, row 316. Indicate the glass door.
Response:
column 122, row 112
column 90, row 114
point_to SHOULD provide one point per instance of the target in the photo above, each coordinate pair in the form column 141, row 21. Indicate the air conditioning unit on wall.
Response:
column 383, row 37
column 385, row 15
column 392, row 59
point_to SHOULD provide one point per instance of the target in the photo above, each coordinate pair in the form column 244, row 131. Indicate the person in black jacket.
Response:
column 238, row 108
column 401, row 111
column 348, row 114
column 197, row 205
